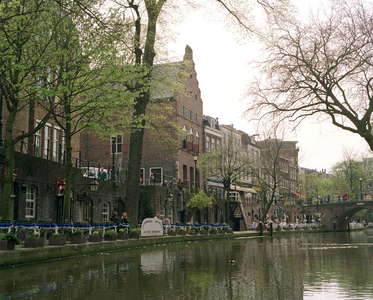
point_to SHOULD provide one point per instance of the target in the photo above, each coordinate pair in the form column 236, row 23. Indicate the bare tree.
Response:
column 321, row 68
column 226, row 164
column 277, row 171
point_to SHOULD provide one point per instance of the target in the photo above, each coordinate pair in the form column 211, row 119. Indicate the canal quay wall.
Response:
column 22, row 255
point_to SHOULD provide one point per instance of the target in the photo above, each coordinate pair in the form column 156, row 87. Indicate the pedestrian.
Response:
column 103, row 174
column 114, row 218
column 125, row 218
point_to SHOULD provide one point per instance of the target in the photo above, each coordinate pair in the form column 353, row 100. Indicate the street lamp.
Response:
column 361, row 190
column 195, row 158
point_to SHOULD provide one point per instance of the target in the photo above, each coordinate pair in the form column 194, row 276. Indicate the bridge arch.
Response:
column 339, row 213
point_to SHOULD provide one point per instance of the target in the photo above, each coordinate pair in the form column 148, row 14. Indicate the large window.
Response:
column 30, row 201
column 212, row 143
column 118, row 142
column 47, row 137
column 163, row 212
column 105, row 212
column 207, row 143
column 190, row 115
column 55, row 143
column 185, row 112
column 191, row 135
column 197, row 138
column 37, row 145
column 171, row 214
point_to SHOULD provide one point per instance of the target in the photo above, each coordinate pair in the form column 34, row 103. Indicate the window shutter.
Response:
column 190, row 146
column 108, row 149
column 124, row 148
column 196, row 148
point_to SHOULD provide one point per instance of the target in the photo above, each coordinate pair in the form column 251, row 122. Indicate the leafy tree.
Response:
column 320, row 67
column 198, row 202
column 25, row 37
column 89, row 80
column 145, row 19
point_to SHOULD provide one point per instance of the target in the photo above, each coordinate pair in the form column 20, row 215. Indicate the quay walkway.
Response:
column 22, row 255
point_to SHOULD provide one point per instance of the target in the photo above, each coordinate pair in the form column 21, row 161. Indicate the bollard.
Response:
column 260, row 229
column 271, row 229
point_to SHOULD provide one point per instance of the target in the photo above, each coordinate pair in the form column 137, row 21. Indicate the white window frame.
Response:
column 30, row 201
column 47, row 139
column 116, row 144
column 191, row 135
column 37, row 148
column 55, row 150
column 162, row 211
column 154, row 168
column 105, row 211
column 171, row 214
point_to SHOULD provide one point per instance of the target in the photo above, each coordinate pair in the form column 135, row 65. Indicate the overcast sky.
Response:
column 223, row 73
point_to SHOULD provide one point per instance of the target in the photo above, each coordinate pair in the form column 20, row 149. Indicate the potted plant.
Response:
column 135, row 233
column 8, row 241
column 122, row 234
column 306, row 227
column 171, row 232
column 34, row 240
column 96, row 236
column 297, row 227
column 110, row 235
column 204, row 230
column 57, row 239
column 278, row 228
column 78, row 237
column 213, row 230
column 314, row 227
column 221, row 230
column 181, row 231
column 229, row 230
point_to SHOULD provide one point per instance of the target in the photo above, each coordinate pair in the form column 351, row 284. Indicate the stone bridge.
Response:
column 338, row 213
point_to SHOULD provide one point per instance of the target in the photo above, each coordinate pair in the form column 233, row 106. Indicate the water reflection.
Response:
column 298, row 266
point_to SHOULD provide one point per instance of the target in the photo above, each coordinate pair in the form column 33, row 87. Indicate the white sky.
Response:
column 223, row 73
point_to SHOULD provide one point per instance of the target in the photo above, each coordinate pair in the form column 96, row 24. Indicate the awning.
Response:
column 298, row 195
column 242, row 189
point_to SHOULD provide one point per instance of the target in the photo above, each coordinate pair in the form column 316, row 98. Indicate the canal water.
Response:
column 294, row 266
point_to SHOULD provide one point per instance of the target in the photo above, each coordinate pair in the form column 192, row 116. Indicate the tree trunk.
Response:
column 6, row 202
column 137, row 134
column 66, row 207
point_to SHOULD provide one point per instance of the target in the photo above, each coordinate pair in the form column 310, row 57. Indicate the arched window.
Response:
column 105, row 212
column 184, row 133
column 171, row 214
column 30, row 201
column 162, row 212
column 191, row 135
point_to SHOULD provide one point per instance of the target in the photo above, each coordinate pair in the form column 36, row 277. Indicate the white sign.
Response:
column 151, row 227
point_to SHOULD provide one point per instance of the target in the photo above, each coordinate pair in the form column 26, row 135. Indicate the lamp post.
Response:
column 113, row 166
column 361, row 190
column 195, row 158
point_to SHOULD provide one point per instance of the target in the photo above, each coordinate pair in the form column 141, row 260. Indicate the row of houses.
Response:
column 166, row 169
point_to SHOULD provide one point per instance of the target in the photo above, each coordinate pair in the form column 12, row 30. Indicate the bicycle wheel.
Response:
column 21, row 235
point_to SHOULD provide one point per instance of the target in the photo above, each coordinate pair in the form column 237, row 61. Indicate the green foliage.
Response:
column 77, row 233
column 145, row 204
column 34, row 235
column 135, row 230
column 57, row 235
column 10, row 237
column 122, row 230
column 198, row 202
column 110, row 233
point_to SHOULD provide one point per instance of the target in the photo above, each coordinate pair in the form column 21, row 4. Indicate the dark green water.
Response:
column 297, row 266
